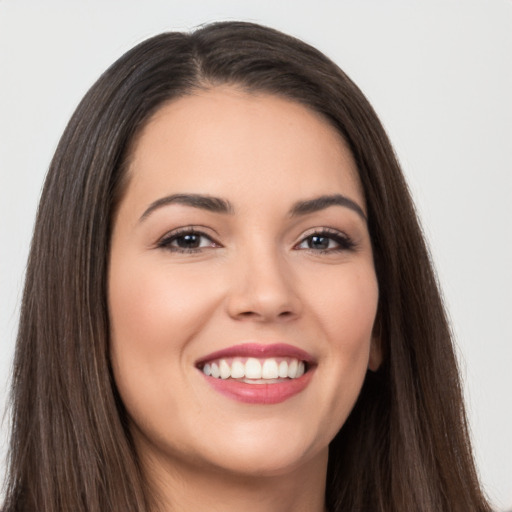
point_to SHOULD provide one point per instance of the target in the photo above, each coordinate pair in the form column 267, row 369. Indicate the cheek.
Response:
column 154, row 307
column 154, row 313
column 345, row 314
column 346, row 307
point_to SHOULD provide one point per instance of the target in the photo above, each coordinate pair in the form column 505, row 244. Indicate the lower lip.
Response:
column 260, row 393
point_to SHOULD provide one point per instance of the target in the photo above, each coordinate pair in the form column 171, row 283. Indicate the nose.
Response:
column 263, row 289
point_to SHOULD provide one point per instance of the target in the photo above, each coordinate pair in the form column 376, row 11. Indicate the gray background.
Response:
column 438, row 73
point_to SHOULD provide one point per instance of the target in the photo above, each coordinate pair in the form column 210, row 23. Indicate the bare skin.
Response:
column 302, row 490
column 243, row 223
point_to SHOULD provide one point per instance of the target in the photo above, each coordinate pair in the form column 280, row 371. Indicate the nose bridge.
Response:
column 262, row 286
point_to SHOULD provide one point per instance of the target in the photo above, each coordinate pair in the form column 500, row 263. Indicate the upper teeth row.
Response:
column 254, row 368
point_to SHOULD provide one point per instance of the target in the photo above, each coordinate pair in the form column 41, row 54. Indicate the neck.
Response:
column 194, row 489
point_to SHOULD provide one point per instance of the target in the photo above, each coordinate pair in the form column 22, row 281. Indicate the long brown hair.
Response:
column 405, row 445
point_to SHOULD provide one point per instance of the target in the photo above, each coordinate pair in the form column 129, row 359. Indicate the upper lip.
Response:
column 258, row 350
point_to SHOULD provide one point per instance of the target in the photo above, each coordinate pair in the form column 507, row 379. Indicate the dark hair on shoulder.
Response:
column 405, row 446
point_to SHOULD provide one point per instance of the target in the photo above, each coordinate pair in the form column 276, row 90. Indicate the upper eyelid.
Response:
column 198, row 230
column 166, row 242
column 202, row 231
column 345, row 241
column 324, row 230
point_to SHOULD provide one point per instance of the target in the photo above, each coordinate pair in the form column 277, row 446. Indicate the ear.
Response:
column 375, row 357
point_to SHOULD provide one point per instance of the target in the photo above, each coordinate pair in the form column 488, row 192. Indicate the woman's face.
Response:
column 240, row 259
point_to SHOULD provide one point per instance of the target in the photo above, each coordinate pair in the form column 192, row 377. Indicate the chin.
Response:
column 263, row 464
column 265, row 454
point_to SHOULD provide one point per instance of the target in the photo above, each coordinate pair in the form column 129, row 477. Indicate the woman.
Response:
column 229, row 302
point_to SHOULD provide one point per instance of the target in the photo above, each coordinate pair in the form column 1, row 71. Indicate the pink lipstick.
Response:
column 255, row 373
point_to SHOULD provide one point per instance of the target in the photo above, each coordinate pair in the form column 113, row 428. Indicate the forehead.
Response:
column 228, row 141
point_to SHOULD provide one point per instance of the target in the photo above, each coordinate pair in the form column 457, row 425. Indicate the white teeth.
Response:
column 215, row 371
column 237, row 369
column 253, row 368
column 225, row 370
column 283, row 370
column 270, row 369
column 292, row 369
column 261, row 370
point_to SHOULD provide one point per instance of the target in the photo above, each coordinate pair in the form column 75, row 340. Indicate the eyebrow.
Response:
column 322, row 202
column 218, row 205
column 209, row 203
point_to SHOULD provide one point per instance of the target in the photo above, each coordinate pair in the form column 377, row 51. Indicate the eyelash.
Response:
column 344, row 242
column 166, row 241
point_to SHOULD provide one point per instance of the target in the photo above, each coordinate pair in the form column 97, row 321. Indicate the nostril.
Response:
column 259, row 303
column 247, row 314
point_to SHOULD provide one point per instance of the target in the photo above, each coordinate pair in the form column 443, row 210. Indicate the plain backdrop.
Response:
column 438, row 73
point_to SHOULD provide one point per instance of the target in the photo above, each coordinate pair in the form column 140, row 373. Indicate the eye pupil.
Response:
column 189, row 241
column 318, row 242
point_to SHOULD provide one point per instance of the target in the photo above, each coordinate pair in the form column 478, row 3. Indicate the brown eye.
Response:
column 326, row 241
column 189, row 241
column 186, row 241
column 318, row 242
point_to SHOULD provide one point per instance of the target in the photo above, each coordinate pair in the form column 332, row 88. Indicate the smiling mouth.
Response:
column 253, row 370
column 254, row 373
